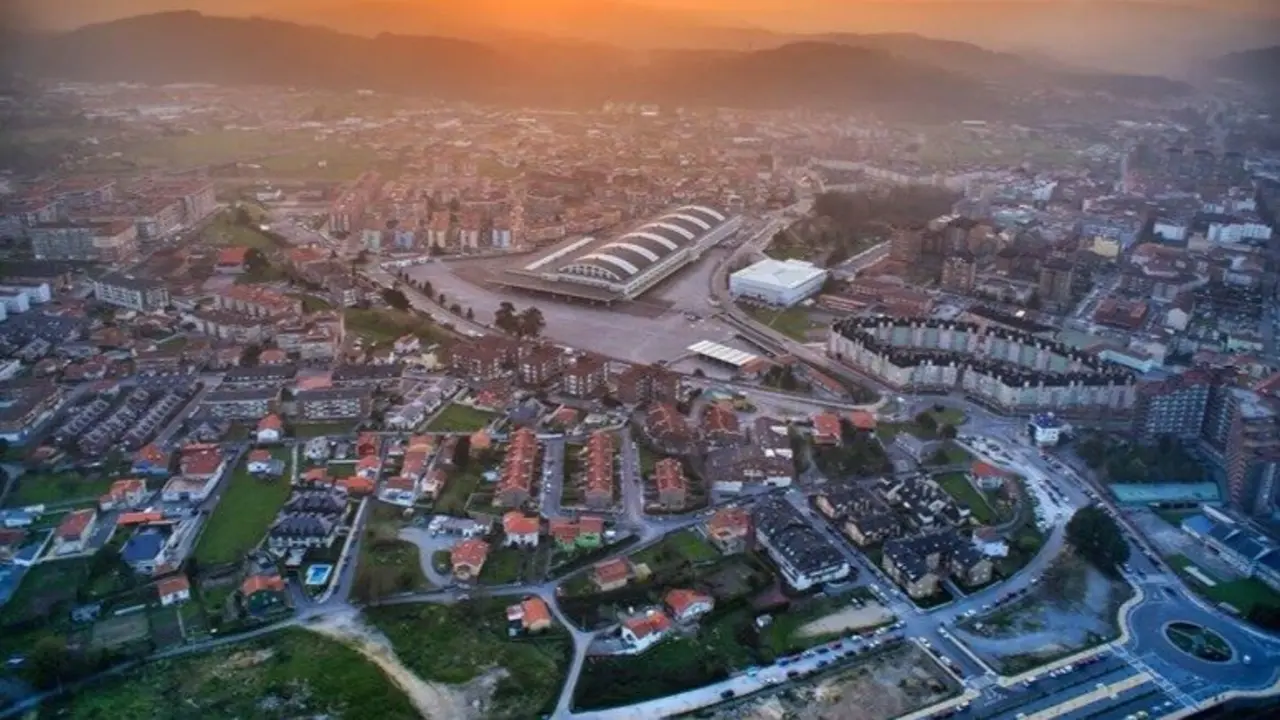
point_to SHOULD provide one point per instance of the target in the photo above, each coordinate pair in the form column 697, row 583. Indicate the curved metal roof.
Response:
column 649, row 244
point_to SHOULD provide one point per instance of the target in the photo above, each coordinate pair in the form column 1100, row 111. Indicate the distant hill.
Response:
column 189, row 47
column 1258, row 67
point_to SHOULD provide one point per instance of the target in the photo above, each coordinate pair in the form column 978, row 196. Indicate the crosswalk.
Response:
column 1172, row 690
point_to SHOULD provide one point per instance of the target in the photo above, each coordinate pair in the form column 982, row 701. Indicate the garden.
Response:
column 247, row 508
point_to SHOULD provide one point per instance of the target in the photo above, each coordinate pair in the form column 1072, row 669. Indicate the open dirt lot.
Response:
column 850, row 618
column 886, row 686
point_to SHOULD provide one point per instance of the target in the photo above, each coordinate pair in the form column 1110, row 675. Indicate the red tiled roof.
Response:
column 591, row 524
column 668, row 474
column 681, row 599
column 599, row 463
column 517, row 523
column 74, row 524
column 471, row 553
column 611, row 570
column 256, row 583
column 730, row 521
column 862, row 420
column 826, row 425
column 271, row 422
column 517, row 466
column 981, row 469
column 645, row 625
column 139, row 518
column 535, row 611
column 233, row 255
column 260, row 456
column 172, row 585
column 719, row 418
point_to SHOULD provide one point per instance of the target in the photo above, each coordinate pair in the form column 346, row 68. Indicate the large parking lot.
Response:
column 657, row 327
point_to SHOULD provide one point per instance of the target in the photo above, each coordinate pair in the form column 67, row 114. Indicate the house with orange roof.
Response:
column 644, row 630
column 686, row 605
column 315, row 476
column 173, row 590
column 435, row 482
column 76, row 527
column 826, row 429
column 987, row 477
column 273, row 356
column 399, row 490
column 356, row 486
column 231, row 260
column 863, row 420
column 151, row 461
column 515, row 480
column 729, row 529
column 262, row 593
column 138, row 518
column 519, row 530
column 270, row 429
column 611, row 574
column 123, row 494
column 600, row 486
column 261, row 462
column 369, row 466
column 530, row 615
column 467, row 558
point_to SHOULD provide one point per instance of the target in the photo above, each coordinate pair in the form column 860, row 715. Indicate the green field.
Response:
column 383, row 327
column 292, row 673
column 958, row 487
column 242, row 516
column 686, row 545
column 793, row 322
column 504, row 565
column 455, row 418
column 386, row 564
column 44, row 489
column 311, row 303
column 456, row 643
column 1243, row 595
column 459, row 487
column 323, row 429
column 224, row 231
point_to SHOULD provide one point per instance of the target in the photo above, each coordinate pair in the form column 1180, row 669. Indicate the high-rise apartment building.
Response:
column 959, row 273
column 1056, row 278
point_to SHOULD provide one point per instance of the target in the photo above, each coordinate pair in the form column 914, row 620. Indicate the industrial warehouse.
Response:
column 627, row 266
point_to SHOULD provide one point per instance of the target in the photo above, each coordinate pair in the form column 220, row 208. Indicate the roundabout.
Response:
column 1198, row 642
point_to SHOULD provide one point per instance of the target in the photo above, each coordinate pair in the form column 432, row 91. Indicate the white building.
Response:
column 1046, row 429
column 777, row 282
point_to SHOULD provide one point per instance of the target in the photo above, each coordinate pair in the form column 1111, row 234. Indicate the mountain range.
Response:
column 886, row 72
column 1130, row 36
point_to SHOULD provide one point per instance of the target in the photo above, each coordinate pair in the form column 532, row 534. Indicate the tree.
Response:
column 939, row 457
column 531, row 322
column 462, row 452
column 927, row 421
column 1098, row 539
column 249, row 356
column 456, row 309
column 49, row 662
column 505, row 318
column 426, row 288
column 948, row 432
column 396, row 299
column 255, row 261
column 440, row 299
column 471, row 315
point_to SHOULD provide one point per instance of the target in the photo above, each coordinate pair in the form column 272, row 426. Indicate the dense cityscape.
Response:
column 348, row 402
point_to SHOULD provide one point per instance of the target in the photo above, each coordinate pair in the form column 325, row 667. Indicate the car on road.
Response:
column 727, row 694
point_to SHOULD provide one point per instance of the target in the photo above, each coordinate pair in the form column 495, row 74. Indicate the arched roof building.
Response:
column 631, row 255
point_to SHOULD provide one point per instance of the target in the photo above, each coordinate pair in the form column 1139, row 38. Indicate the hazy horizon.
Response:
column 1142, row 36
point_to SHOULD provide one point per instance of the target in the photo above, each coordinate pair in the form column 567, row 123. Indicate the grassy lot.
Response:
column 386, row 564
column 45, row 586
column 504, row 565
column 460, row 486
column 311, row 303
column 47, row 488
column 959, row 487
column 383, row 327
column 455, row 418
column 687, row 545
column 947, row 416
column 246, row 510
column 224, row 231
column 456, row 643
column 1243, row 595
column 310, row 675
column 793, row 322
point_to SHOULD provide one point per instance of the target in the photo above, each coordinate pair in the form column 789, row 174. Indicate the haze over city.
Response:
column 615, row 359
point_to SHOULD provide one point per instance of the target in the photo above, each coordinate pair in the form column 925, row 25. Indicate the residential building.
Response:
column 644, row 630
column 519, row 530
column 919, row 564
column 467, row 559
column 515, row 481
column 110, row 242
column 731, row 469
column 668, row 478
column 827, row 430
column 720, row 425
column 988, row 478
column 1045, row 429
column 804, row 557
column 131, row 293
column 584, row 533
column 541, row 365
column 263, row 593
column 327, row 404
column 232, row 403
column 687, row 605
column 270, row 429
column 598, row 470
column 729, row 529
column 667, row 428
column 959, row 273
column 74, row 531
column 640, row 384
column 611, row 574
column 530, row 615
column 125, row 493
column 585, row 377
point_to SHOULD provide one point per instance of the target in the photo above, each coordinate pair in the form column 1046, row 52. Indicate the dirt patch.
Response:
column 434, row 701
column 850, row 618
column 889, row 685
